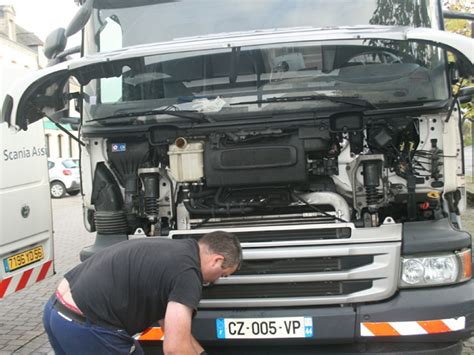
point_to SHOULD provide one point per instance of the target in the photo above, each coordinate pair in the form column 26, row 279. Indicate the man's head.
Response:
column 220, row 254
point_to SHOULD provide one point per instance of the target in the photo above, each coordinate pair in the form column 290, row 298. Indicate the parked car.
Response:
column 64, row 177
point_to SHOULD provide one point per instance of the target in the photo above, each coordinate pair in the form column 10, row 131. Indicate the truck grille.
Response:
column 299, row 265
column 280, row 235
column 308, row 265
column 291, row 289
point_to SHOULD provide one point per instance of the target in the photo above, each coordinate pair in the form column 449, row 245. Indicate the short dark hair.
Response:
column 225, row 244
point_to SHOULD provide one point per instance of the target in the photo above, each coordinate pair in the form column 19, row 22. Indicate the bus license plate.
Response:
column 23, row 259
column 264, row 328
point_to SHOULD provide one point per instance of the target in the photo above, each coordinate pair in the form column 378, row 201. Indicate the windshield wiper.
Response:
column 187, row 114
column 348, row 100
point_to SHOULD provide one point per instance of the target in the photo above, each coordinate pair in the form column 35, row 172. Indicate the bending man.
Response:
column 101, row 303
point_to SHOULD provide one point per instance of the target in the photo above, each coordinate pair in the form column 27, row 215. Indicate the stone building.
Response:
column 21, row 51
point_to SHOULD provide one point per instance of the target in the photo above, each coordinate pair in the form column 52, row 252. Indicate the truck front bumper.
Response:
column 360, row 328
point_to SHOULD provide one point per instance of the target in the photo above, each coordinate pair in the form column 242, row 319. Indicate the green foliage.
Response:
column 401, row 13
column 467, row 133
column 463, row 27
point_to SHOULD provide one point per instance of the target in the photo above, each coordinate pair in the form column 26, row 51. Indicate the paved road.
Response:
column 21, row 330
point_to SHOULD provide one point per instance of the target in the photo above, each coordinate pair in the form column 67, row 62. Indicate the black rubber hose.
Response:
column 201, row 194
column 106, row 194
column 233, row 205
column 217, row 211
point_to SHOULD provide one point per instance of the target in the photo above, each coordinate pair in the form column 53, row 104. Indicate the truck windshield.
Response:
column 380, row 72
column 151, row 21
column 278, row 77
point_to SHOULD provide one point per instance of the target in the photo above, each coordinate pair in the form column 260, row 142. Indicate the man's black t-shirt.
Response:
column 130, row 284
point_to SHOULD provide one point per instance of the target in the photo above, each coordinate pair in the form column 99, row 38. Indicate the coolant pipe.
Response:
column 329, row 198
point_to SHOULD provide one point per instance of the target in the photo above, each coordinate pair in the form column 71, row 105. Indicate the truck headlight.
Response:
column 436, row 269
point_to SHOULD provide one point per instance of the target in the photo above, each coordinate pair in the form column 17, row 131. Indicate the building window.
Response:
column 11, row 30
column 48, row 145
column 60, row 146
column 70, row 148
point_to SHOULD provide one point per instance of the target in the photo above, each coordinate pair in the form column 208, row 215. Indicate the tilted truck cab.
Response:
column 330, row 145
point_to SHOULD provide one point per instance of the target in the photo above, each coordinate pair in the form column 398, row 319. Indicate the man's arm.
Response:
column 178, row 338
column 199, row 349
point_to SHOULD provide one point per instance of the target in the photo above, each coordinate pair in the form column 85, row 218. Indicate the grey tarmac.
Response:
column 21, row 328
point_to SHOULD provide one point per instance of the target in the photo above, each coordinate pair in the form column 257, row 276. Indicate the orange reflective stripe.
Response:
column 409, row 328
column 154, row 333
column 434, row 326
column 381, row 329
column 467, row 261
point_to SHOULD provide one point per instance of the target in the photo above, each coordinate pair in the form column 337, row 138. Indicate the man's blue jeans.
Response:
column 70, row 337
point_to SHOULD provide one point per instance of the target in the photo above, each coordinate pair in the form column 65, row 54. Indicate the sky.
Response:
column 42, row 16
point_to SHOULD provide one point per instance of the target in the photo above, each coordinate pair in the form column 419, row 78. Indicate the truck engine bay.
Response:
column 345, row 168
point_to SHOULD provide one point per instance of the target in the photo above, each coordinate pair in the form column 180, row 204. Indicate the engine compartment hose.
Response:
column 216, row 211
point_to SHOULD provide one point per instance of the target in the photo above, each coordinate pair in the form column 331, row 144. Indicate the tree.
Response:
column 462, row 27
column 401, row 13
column 404, row 13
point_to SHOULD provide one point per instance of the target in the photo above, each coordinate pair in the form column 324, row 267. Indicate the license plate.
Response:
column 24, row 258
column 264, row 328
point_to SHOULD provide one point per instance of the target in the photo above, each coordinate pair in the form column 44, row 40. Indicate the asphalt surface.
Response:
column 21, row 329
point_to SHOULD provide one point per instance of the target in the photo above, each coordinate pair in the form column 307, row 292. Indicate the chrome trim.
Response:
column 383, row 272
column 379, row 265
column 387, row 232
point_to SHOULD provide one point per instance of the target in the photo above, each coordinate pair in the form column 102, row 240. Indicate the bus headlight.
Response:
column 436, row 270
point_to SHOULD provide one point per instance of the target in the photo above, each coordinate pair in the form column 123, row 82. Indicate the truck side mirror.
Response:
column 80, row 18
column 55, row 43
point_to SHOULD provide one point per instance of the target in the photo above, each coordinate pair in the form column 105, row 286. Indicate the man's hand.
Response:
column 197, row 347
column 178, row 338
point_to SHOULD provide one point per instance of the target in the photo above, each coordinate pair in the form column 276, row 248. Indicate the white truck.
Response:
column 324, row 134
column 26, row 233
